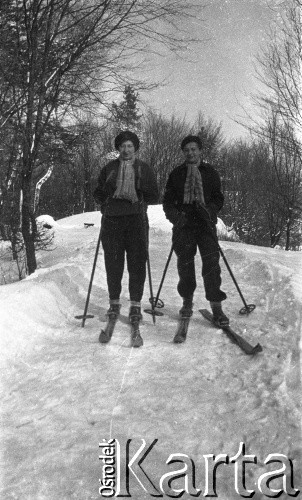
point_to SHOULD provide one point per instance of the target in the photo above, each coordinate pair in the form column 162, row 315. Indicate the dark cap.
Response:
column 191, row 138
column 124, row 136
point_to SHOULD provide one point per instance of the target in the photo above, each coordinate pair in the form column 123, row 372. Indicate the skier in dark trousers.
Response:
column 125, row 187
column 191, row 201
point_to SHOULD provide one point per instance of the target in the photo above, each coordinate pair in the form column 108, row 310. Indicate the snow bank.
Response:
column 158, row 220
column 75, row 221
column 46, row 219
column 5, row 246
column 29, row 312
column 156, row 216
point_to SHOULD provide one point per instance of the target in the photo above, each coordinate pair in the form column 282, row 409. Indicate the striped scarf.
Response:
column 193, row 190
column 125, row 184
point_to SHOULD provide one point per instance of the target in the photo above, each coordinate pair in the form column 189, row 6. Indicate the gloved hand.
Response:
column 204, row 213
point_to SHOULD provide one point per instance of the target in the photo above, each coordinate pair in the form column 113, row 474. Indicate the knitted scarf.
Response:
column 125, row 184
column 193, row 190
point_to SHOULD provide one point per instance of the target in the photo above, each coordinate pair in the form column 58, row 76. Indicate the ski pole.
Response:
column 143, row 215
column 247, row 307
column 152, row 311
column 151, row 300
column 84, row 316
column 157, row 302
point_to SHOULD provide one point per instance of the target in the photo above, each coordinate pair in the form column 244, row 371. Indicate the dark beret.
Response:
column 126, row 135
column 191, row 138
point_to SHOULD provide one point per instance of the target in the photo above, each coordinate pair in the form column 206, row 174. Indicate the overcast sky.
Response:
column 222, row 75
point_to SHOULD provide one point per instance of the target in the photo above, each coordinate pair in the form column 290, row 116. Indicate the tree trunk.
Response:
column 14, row 247
column 287, row 243
column 88, row 201
column 39, row 185
column 29, row 229
column 275, row 238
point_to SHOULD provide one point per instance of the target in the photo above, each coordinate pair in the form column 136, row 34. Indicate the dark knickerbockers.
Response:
column 192, row 199
column 126, row 186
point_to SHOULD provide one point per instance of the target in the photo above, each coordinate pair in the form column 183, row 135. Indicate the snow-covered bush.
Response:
column 47, row 221
column 226, row 233
column 45, row 232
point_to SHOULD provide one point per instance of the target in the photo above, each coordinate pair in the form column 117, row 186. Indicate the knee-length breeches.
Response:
column 185, row 242
column 120, row 236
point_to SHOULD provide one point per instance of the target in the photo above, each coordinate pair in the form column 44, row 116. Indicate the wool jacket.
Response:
column 174, row 194
column 145, row 185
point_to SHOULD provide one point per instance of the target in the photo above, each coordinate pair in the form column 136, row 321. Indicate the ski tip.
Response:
column 251, row 351
column 103, row 337
column 206, row 314
column 203, row 311
column 257, row 348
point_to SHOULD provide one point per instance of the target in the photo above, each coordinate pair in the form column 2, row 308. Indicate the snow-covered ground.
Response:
column 63, row 392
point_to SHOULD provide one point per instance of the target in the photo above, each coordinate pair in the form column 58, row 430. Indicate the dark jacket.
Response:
column 174, row 194
column 145, row 185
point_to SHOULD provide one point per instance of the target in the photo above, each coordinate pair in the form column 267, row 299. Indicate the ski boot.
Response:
column 219, row 318
column 185, row 314
column 135, row 317
column 112, row 315
column 187, row 308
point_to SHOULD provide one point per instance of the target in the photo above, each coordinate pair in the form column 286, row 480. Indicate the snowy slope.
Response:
column 63, row 392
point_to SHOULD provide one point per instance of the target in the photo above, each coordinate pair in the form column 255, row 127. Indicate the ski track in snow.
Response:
column 63, row 392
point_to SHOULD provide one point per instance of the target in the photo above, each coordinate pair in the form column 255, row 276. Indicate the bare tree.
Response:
column 211, row 136
column 161, row 144
column 280, row 71
column 280, row 64
column 286, row 159
column 162, row 139
column 253, row 200
column 56, row 55
column 77, row 153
